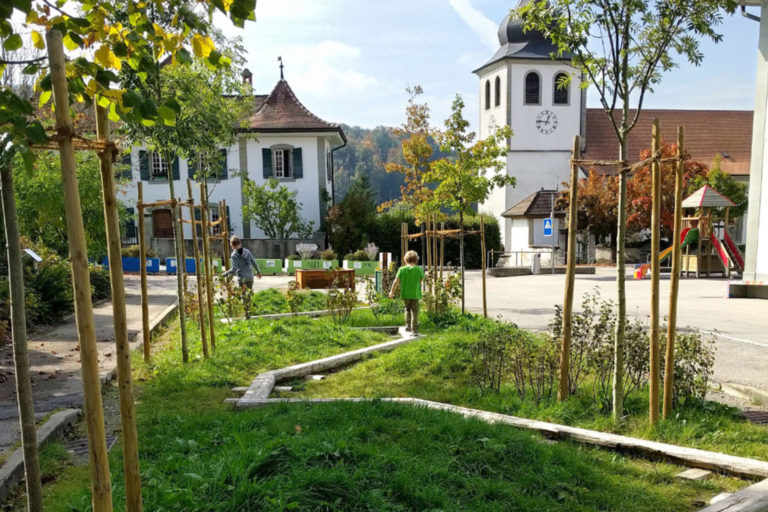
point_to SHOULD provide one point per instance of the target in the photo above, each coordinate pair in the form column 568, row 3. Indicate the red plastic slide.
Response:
column 720, row 251
column 734, row 250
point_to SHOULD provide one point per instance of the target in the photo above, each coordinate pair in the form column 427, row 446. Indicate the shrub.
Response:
column 694, row 360
column 293, row 257
column 328, row 255
column 52, row 286
column 490, row 357
column 294, row 297
column 340, row 301
column 134, row 251
column 440, row 296
column 359, row 255
column 100, row 284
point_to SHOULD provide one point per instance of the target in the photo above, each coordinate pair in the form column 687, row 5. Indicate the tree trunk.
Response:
column 133, row 501
column 101, row 486
column 621, row 303
column 461, row 257
column 563, row 389
column 653, row 377
column 178, row 239
column 19, row 334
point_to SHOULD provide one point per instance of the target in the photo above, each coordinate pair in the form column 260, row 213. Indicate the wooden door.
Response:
column 162, row 223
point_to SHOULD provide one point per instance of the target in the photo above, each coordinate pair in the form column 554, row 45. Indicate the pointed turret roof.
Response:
column 707, row 197
column 283, row 112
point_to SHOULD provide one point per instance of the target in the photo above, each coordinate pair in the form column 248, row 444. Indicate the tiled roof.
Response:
column 538, row 204
column 708, row 133
column 281, row 111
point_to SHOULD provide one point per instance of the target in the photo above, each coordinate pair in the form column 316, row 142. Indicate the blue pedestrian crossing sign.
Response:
column 548, row 226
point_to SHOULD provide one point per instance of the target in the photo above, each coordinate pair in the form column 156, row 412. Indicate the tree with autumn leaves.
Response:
column 598, row 203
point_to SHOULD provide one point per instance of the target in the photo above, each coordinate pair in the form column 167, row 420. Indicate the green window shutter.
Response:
column 266, row 156
column 175, row 168
column 125, row 172
column 298, row 170
column 130, row 225
column 191, row 166
column 223, row 171
column 144, row 165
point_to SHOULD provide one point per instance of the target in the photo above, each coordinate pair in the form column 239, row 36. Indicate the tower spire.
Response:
column 280, row 60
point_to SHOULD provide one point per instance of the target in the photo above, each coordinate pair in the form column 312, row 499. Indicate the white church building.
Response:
column 282, row 140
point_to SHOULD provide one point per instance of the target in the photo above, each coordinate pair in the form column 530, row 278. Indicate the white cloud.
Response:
column 479, row 23
column 326, row 70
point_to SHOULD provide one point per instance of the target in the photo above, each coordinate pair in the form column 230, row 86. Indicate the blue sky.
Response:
column 350, row 60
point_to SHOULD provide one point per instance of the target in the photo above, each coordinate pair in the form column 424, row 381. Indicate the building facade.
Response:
column 282, row 140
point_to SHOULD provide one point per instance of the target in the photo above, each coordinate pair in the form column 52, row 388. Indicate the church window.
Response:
column 497, row 92
column 532, row 89
column 561, row 89
column 487, row 94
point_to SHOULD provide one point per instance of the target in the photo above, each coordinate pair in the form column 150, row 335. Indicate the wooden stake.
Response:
column 182, row 265
column 442, row 250
column 101, row 486
column 674, row 278
column 434, row 255
column 563, row 387
column 133, row 501
column 145, row 332
column 201, row 302
column 207, row 257
column 654, row 381
column 403, row 242
column 20, row 353
column 482, row 265
column 225, row 230
column 429, row 247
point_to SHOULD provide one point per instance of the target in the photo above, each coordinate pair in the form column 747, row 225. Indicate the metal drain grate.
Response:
column 756, row 416
column 79, row 447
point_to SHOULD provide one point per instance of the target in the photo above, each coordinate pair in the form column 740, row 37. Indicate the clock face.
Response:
column 546, row 122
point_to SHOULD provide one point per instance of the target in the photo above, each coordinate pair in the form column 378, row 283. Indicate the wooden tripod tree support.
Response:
column 133, row 502
column 207, row 258
column 674, row 278
column 20, row 352
column 101, row 486
column 225, row 231
column 563, row 388
column 146, row 334
column 654, row 381
column 201, row 309
column 482, row 264
column 181, row 265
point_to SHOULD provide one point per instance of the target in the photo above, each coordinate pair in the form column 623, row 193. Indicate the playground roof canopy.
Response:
column 707, row 197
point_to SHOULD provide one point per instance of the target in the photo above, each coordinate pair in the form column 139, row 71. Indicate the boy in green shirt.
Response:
column 409, row 278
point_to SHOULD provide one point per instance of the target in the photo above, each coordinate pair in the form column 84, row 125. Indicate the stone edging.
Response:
column 109, row 375
column 750, row 499
column 261, row 387
column 12, row 472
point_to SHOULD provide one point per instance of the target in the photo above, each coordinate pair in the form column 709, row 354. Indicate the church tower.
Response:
column 520, row 86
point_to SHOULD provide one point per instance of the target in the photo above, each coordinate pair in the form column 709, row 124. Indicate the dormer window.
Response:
column 487, row 94
column 497, row 92
column 561, row 89
column 532, row 89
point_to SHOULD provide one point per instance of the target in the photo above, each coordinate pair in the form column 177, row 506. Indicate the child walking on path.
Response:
column 409, row 278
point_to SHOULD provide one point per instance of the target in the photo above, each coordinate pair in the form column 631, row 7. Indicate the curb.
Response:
column 758, row 396
column 12, row 472
column 109, row 375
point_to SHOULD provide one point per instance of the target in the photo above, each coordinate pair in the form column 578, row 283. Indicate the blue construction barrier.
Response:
column 131, row 264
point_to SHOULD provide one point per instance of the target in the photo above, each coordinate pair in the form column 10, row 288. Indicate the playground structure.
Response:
column 434, row 252
column 714, row 250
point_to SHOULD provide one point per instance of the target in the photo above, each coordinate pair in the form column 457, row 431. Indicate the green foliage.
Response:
column 340, row 301
column 274, row 209
column 440, row 296
column 40, row 203
column 134, row 251
column 328, row 255
column 359, row 255
column 726, row 185
column 100, row 284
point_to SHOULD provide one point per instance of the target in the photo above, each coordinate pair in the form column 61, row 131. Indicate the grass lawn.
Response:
column 198, row 454
column 437, row 367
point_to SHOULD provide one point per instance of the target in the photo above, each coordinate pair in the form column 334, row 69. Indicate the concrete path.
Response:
column 55, row 356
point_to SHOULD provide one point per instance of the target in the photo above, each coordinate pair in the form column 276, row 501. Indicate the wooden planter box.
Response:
column 321, row 279
column 292, row 266
column 362, row 268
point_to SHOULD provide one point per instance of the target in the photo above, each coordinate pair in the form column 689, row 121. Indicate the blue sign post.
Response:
column 548, row 226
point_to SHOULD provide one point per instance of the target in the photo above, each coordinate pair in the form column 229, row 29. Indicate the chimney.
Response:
column 247, row 76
